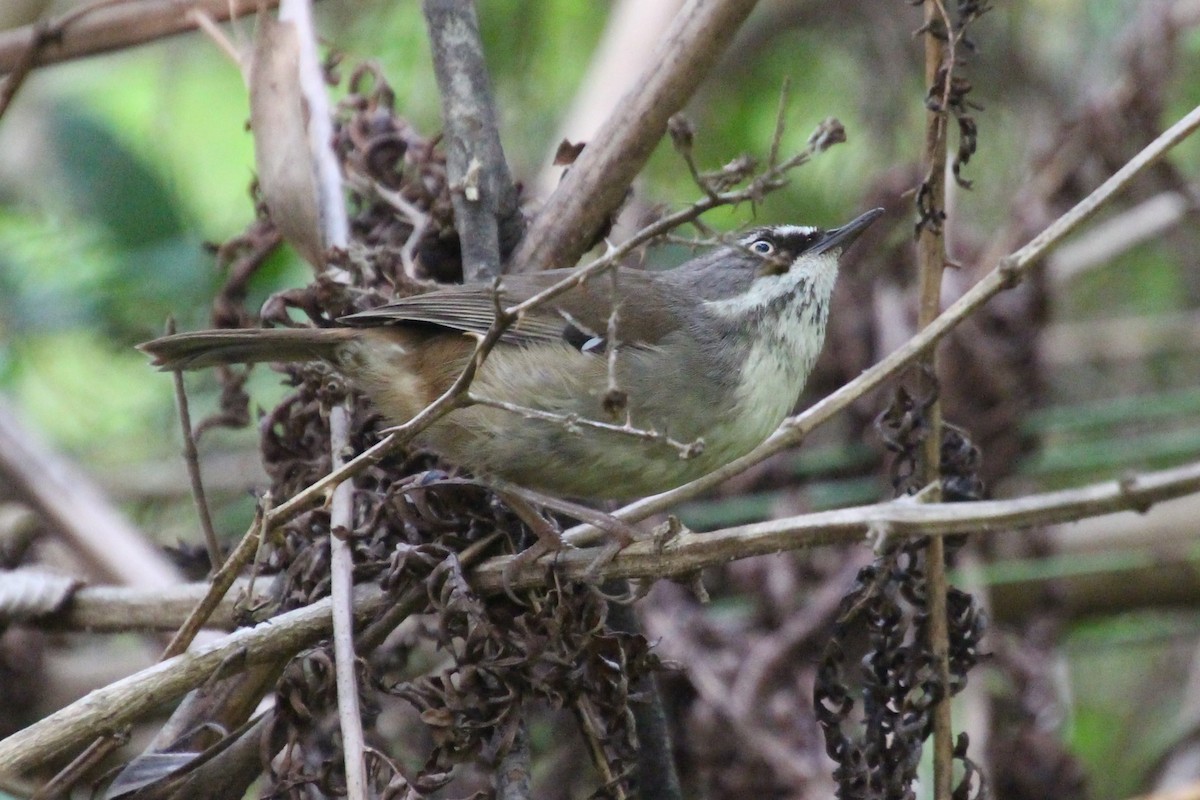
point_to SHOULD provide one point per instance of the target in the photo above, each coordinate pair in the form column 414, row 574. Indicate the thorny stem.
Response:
column 931, row 260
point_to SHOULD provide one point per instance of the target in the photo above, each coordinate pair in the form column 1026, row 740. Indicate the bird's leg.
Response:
column 548, row 539
column 523, row 501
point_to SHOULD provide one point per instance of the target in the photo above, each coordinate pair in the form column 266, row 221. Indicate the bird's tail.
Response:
column 201, row 349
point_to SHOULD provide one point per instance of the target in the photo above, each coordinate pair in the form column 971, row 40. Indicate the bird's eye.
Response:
column 762, row 247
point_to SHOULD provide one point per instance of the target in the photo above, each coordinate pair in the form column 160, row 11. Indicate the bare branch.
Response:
column 688, row 552
column 486, row 215
column 133, row 697
column 111, row 609
column 75, row 508
column 931, row 261
column 1007, row 273
column 341, row 567
column 102, row 27
column 597, row 181
column 572, row 422
column 191, row 458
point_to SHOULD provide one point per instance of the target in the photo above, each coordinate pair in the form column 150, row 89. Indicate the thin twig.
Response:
column 219, row 586
column 100, row 748
column 1006, row 274
column 572, row 422
column 931, row 261
column 210, row 29
column 335, row 233
column 785, row 91
column 341, row 568
column 417, row 218
column 615, row 398
column 191, row 459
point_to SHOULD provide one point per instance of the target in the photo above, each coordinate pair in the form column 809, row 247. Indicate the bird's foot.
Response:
column 524, row 502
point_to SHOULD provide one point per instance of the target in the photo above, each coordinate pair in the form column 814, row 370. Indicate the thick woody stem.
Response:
column 597, row 182
column 486, row 215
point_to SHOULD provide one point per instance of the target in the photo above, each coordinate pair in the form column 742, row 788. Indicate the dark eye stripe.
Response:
column 799, row 242
column 786, row 242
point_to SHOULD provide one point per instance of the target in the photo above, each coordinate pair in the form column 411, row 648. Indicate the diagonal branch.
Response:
column 1007, row 274
column 596, row 183
column 132, row 698
column 106, row 26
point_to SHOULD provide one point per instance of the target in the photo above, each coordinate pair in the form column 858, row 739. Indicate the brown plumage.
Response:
column 715, row 351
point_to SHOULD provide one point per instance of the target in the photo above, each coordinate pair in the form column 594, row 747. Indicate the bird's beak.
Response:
column 843, row 237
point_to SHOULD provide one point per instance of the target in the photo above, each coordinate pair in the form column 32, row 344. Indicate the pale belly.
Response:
column 584, row 462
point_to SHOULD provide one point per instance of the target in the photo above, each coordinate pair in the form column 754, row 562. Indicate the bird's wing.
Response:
column 580, row 316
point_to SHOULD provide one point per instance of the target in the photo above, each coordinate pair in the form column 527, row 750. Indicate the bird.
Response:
column 707, row 360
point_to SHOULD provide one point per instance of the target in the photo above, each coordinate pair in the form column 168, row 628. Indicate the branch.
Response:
column 931, row 261
column 126, row 700
column 102, row 27
column 1007, row 274
column 486, row 215
column 108, row 609
column 625, row 51
column 688, row 551
column 191, row 459
column 598, row 180
column 112, row 609
column 341, row 568
column 75, row 508
column 131, row 698
column 573, row 422
column 334, row 233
